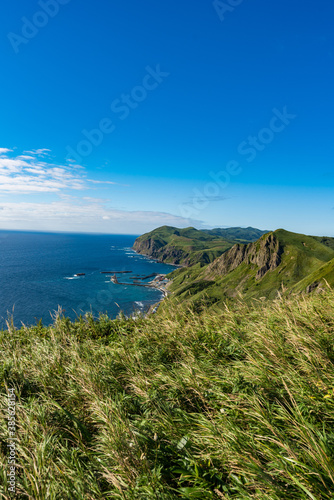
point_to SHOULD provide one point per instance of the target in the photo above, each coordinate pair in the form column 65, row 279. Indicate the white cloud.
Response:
column 26, row 174
column 5, row 150
column 83, row 215
column 39, row 152
column 33, row 174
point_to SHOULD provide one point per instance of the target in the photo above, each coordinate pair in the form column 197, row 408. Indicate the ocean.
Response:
column 37, row 275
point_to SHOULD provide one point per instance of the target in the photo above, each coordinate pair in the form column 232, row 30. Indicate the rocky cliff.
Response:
column 150, row 247
column 158, row 249
column 265, row 254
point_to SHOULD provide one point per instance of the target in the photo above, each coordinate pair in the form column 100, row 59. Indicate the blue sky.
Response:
column 122, row 116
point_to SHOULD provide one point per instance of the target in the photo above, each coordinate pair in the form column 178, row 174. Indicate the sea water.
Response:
column 37, row 276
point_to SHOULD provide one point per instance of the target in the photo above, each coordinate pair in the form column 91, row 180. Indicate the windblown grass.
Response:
column 237, row 404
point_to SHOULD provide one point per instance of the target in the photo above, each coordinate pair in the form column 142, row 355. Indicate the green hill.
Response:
column 278, row 261
column 191, row 246
column 181, row 246
column 316, row 280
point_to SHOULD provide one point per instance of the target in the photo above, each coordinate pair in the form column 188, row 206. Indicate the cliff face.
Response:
column 149, row 247
column 158, row 249
column 265, row 254
column 181, row 247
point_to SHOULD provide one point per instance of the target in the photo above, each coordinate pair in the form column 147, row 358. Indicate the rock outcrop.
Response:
column 186, row 246
column 149, row 247
column 158, row 249
column 265, row 254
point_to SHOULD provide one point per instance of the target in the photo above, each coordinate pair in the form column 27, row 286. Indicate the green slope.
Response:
column 278, row 261
column 318, row 279
column 182, row 246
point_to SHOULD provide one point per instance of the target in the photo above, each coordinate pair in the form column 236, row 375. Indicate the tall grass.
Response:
column 236, row 404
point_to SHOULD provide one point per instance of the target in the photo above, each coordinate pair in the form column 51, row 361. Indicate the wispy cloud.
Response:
column 5, row 150
column 89, row 214
column 25, row 157
column 202, row 199
column 34, row 174
column 39, row 152
column 100, row 182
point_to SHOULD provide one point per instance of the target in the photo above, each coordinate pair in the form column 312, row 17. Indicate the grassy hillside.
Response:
column 325, row 240
column 319, row 278
column 234, row 405
column 278, row 261
column 190, row 246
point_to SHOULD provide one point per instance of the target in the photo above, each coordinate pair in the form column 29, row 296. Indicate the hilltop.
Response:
column 191, row 246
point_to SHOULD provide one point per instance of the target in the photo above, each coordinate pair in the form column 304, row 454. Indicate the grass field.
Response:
column 237, row 404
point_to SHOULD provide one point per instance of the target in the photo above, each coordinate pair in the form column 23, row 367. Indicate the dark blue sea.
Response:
column 37, row 275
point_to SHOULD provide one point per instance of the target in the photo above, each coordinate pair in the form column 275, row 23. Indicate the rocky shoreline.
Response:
column 160, row 282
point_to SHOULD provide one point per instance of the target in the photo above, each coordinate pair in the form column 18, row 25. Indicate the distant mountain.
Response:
column 246, row 234
column 278, row 261
column 191, row 246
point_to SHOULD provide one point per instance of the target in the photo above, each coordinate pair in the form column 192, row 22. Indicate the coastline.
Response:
column 160, row 282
